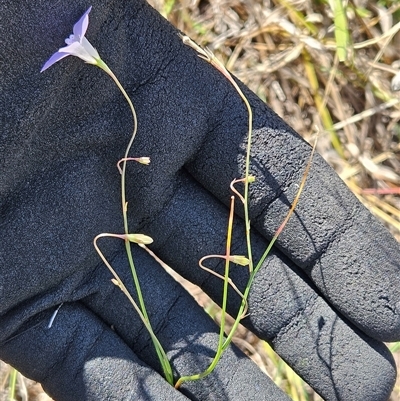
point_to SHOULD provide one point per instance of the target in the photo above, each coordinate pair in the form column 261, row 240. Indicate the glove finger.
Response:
column 351, row 258
column 80, row 358
column 186, row 333
column 336, row 359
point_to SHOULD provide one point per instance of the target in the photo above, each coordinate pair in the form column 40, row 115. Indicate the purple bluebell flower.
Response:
column 77, row 45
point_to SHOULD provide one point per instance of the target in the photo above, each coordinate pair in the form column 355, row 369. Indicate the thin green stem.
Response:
column 247, row 173
column 104, row 67
column 247, row 166
column 12, row 384
column 221, row 336
column 209, row 56
column 266, row 252
column 160, row 351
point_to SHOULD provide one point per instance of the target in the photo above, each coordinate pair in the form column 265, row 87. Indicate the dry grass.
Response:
column 285, row 51
column 26, row 390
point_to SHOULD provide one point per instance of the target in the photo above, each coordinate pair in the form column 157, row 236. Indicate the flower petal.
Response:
column 90, row 49
column 81, row 26
column 53, row 59
column 77, row 50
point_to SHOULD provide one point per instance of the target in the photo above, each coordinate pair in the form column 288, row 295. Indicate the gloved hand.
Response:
column 325, row 298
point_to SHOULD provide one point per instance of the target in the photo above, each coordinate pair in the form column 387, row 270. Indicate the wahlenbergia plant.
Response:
column 79, row 46
column 223, row 342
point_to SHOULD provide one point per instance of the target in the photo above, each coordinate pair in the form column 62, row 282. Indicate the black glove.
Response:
column 325, row 298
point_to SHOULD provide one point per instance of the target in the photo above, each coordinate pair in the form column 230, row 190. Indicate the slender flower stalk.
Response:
column 160, row 351
column 221, row 337
column 119, row 283
column 243, row 307
column 207, row 55
column 237, row 259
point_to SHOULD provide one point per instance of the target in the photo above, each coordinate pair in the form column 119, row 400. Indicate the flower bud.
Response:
column 139, row 238
column 115, row 282
column 239, row 260
column 144, row 160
